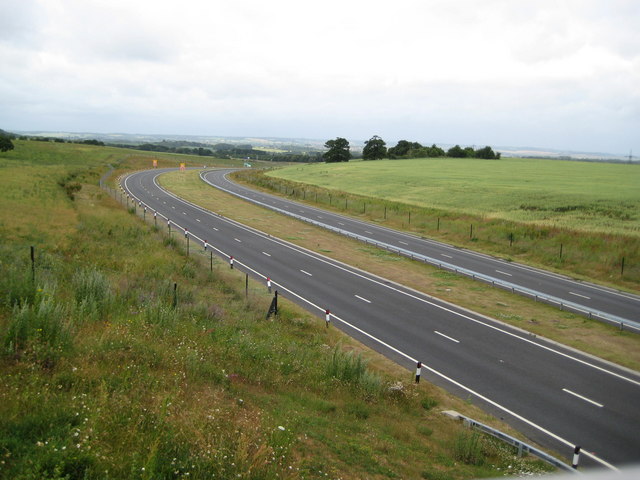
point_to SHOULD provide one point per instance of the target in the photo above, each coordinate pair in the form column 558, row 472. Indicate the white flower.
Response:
column 281, row 427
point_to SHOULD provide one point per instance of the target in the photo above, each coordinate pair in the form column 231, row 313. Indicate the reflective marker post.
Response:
column 576, row 457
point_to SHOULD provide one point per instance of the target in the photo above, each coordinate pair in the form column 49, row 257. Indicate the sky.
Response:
column 543, row 73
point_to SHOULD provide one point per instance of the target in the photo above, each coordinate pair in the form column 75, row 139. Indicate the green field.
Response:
column 576, row 195
column 106, row 373
column 577, row 218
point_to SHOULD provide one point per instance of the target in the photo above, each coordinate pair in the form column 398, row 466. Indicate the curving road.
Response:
column 600, row 302
column 556, row 396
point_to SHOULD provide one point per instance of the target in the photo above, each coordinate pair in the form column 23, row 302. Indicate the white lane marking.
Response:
column 367, row 231
column 504, row 273
column 578, row 295
column 238, row 240
column 319, row 216
column 445, row 255
column 446, row 336
column 404, row 243
column 215, row 229
column 362, row 298
column 198, row 220
column 164, row 203
column 184, row 213
column 267, row 254
column 583, row 398
column 173, row 206
column 306, row 273
column 340, row 223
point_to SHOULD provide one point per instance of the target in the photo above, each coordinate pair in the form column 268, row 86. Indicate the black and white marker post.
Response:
column 186, row 236
column 418, row 371
column 576, row 457
column 205, row 245
column 269, row 284
column 231, row 262
column 327, row 317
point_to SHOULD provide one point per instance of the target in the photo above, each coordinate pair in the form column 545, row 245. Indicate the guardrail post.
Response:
column 418, row 371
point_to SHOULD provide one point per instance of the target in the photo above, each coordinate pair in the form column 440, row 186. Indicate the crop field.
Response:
column 576, row 218
column 122, row 357
column 576, row 195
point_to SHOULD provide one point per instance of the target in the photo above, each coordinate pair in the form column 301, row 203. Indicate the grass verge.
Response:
column 107, row 374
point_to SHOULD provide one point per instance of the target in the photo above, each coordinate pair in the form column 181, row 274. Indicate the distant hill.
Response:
column 302, row 145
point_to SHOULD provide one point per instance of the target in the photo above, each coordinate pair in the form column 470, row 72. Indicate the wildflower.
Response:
column 281, row 427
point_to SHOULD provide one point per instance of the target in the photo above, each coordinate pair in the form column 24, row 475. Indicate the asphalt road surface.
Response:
column 556, row 396
column 609, row 304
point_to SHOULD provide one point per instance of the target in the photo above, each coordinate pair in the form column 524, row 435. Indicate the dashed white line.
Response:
column 215, row 229
column 362, row 298
column 504, row 273
column 340, row 223
column 583, row 398
column 578, row 295
column 238, row 240
column 445, row 255
column 446, row 336
column 367, row 231
column 184, row 213
column 198, row 220
column 306, row 273
column 404, row 243
column 267, row 254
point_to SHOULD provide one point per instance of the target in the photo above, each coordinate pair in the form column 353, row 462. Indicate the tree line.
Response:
column 375, row 148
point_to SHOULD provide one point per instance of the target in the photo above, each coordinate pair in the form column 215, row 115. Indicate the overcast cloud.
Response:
column 545, row 73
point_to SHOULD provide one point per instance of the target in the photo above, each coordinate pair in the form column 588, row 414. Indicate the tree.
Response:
column 403, row 148
column 374, row 149
column 5, row 143
column 338, row 150
column 435, row 151
column 456, row 152
column 487, row 153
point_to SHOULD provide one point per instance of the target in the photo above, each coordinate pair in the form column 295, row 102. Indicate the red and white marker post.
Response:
column 269, row 284
column 231, row 262
column 327, row 317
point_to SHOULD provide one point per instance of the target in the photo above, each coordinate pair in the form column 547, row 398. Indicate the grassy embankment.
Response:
column 103, row 377
column 578, row 218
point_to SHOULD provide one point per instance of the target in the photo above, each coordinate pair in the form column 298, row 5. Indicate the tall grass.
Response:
column 39, row 333
column 351, row 369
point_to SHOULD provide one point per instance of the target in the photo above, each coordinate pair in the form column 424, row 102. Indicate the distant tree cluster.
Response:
column 224, row 150
column 375, row 148
column 406, row 149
